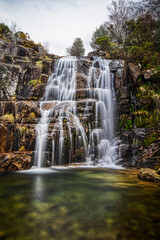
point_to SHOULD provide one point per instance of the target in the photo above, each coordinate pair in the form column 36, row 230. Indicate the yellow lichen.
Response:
column 22, row 148
column 39, row 64
column 34, row 82
column 8, row 117
column 32, row 115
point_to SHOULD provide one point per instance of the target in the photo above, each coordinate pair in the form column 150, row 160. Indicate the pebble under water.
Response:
column 78, row 203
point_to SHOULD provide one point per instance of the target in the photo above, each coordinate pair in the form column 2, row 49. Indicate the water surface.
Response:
column 78, row 203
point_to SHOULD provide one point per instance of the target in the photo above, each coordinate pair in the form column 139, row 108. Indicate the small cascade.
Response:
column 77, row 123
column 101, row 138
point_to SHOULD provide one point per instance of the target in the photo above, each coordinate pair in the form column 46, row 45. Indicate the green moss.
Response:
column 152, row 138
column 125, row 122
column 141, row 118
column 34, row 82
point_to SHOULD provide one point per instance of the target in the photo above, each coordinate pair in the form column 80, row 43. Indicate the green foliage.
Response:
column 141, row 118
column 142, row 40
column 100, row 32
column 155, row 118
column 103, row 43
column 125, row 122
column 131, row 34
column 34, row 82
column 150, row 94
column 152, row 138
column 153, row 96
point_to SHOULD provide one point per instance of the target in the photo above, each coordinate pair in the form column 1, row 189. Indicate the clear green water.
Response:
column 73, row 204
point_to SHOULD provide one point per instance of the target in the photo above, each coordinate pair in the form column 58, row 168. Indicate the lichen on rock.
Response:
column 147, row 174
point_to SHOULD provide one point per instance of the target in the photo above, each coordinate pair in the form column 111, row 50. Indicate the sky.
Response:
column 58, row 22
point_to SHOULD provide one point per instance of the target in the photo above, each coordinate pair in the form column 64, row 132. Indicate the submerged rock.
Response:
column 147, row 174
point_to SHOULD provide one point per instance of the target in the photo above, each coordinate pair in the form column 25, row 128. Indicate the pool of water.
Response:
column 78, row 204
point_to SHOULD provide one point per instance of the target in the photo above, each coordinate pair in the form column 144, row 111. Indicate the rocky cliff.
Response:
column 138, row 105
column 23, row 77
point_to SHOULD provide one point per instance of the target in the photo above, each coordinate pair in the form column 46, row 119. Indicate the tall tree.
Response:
column 77, row 48
column 152, row 6
column 100, row 32
column 120, row 12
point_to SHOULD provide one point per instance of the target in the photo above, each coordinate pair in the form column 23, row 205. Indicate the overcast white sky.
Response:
column 57, row 21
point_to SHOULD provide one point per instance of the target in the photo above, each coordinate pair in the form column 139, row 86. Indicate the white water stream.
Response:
column 93, row 140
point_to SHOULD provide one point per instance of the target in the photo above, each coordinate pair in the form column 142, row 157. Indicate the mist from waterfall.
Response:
column 65, row 129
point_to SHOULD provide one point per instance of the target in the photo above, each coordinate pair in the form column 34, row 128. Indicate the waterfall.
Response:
column 77, row 115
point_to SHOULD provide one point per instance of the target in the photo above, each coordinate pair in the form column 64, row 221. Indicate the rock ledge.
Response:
column 147, row 174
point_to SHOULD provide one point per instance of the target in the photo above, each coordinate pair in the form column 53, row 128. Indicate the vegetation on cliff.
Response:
column 14, row 35
column 132, row 32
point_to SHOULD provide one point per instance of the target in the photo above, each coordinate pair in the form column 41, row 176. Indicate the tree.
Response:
column 14, row 28
column 77, row 48
column 142, row 40
column 46, row 46
column 103, row 43
column 152, row 6
column 100, row 32
column 120, row 12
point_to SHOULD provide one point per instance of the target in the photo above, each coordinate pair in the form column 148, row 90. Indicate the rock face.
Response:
column 22, row 72
column 149, row 175
column 15, row 161
column 23, row 76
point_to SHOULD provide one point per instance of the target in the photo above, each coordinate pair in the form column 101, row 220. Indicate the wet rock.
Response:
column 38, row 91
column 126, row 151
column 141, row 133
column 15, row 161
column 97, row 54
column 44, row 78
column 81, row 80
column 147, row 74
column 83, row 66
column 147, row 174
column 81, row 94
column 134, row 71
column 150, row 155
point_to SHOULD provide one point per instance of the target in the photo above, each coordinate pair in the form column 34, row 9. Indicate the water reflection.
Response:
column 78, row 204
column 38, row 188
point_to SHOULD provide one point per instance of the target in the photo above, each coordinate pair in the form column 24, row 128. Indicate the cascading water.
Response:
column 77, row 123
column 101, row 138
